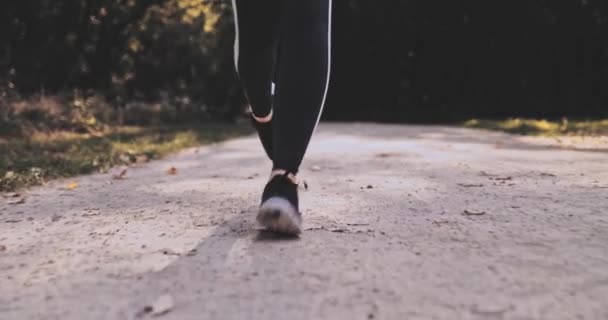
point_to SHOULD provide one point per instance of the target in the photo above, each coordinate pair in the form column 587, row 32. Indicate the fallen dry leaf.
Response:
column 142, row 159
column 466, row 185
column 386, row 155
column 473, row 213
column 339, row 231
column 16, row 200
column 162, row 305
column 172, row 171
column 72, row 186
column 121, row 175
column 170, row 252
column 12, row 195
column 91, row 214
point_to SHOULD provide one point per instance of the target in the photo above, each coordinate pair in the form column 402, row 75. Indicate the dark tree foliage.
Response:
column 125, row 49
column 393, row 60
column 407, row 60
column 62, row 44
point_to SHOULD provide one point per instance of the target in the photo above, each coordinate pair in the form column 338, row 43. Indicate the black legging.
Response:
column 285, row 42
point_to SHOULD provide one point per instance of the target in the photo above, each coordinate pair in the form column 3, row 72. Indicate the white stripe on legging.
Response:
column 236, row 36
column 328, row 67
column 236, row 61
column 236, row 54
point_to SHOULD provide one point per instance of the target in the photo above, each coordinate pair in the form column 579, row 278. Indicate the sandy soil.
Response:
column 402, row 222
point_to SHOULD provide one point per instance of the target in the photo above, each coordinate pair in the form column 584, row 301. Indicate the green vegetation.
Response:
column 543, row 127
column 38, row 158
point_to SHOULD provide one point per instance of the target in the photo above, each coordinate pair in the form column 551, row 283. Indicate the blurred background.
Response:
column 399, row 60
column 86, row 66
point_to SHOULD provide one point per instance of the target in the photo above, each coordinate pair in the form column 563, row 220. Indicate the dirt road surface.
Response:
column 402, row 222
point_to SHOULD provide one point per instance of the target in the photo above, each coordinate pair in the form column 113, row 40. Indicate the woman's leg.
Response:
column 301, row 88
column 255, row 52
column 302, row 78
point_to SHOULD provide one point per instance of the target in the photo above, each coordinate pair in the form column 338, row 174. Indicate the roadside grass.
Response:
column 29, row 161
column 543, row 127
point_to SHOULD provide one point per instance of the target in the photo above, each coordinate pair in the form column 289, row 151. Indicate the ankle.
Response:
column 282, row 172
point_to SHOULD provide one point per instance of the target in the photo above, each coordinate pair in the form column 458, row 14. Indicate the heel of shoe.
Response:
column 278, row 215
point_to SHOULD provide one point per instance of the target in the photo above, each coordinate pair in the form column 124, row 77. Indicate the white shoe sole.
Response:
column 278, row 215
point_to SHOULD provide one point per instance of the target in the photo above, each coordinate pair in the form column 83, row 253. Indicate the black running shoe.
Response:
column 265, row 132
column 279, row 209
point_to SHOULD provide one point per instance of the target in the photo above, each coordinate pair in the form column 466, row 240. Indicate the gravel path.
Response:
column 402, row 222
